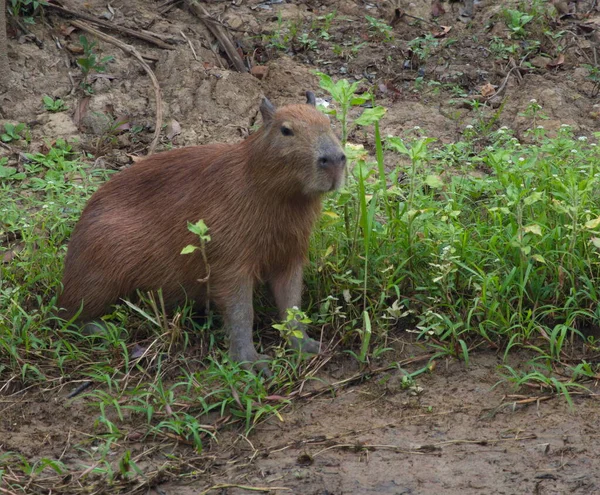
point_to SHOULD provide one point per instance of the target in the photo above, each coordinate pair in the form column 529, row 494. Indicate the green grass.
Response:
column 487, row 242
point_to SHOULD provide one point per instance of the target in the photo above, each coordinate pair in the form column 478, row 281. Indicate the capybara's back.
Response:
column 133, row 228
column 259, row 199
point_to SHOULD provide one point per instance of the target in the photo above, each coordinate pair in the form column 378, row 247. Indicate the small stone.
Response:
column 540, row 62
column 260, row 71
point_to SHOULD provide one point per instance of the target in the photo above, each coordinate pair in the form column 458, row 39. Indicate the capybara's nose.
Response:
column 332, row 160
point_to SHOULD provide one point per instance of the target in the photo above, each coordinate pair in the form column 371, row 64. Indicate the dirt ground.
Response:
column 450, row 434
column 453, row 433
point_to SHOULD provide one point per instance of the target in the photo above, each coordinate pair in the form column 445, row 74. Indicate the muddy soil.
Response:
column 452, row 432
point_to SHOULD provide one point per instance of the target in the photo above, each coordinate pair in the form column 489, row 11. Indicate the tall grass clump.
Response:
column 496, row 245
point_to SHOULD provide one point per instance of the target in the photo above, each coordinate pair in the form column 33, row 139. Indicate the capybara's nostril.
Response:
column 323, row 162
column 328, row 161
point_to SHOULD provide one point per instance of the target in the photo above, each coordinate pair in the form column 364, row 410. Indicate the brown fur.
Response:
column 259, row 199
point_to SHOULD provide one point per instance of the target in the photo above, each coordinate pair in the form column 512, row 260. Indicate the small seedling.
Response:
column 307, row 43
column 201, row 230
column 53, row 105
column 327, row 20
column 25, row 9
column 379, row 29
column 594, row 76
column 294, row 319
column 516, row 22
column 9, row 173
column 422, row 47
column 90, row 61
column 13, row 132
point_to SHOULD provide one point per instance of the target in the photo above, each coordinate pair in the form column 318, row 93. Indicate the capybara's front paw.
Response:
column 251, row 360
column 305, row 344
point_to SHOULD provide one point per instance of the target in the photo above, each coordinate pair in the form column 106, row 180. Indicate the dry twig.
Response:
column 220, row 33
column 150, row 38
column 244, row 487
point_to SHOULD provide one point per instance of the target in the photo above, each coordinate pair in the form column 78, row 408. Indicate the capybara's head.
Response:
column 300, row 139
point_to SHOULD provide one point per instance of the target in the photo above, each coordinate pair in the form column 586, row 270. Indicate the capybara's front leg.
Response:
column 238, row 313
column 287, row 290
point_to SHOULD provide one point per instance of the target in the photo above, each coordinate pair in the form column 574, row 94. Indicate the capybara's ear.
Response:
column 310, row 99
column 267, row 110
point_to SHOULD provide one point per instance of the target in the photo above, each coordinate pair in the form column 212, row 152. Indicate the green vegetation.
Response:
column 594, row 76
column 91, row 62
column 379, row 29
column 516, row 22
column 422, row 47
column 298, row 35
column 14, row 132
column 25, row 9
column 54, row 105
column 509, row 258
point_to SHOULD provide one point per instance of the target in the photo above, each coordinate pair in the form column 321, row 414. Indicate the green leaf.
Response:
column 325, row 82
column 396, row 144
column 533, row 228
column 6, row 172
column 370, row 116
column 358, row 100
column 49, row 102
column 533, row 198
column 592, row 224
column 361, row 169
column 501, row 209
column 198, row 228
column 188, row 249
column 434, row 181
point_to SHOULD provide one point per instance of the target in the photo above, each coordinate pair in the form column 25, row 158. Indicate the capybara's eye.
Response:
column 286, row 131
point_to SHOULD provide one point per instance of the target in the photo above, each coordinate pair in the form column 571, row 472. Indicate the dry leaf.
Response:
column 487, row 90
column 557, row 62
column 81, row 110
column 122, row 124
column 96, row 76
column 66, row 30
column 440, row 34
column 9, row 255
column 173, row 128
column 74, row 49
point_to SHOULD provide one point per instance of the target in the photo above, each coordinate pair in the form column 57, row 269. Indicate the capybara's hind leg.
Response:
column 96, row 301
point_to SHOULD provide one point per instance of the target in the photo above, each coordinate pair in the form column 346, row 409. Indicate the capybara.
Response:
column 259, row 198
